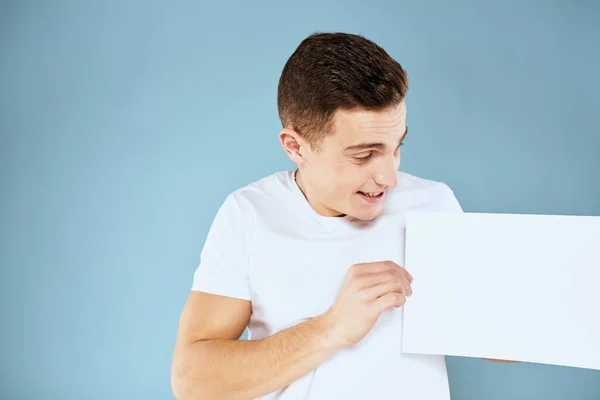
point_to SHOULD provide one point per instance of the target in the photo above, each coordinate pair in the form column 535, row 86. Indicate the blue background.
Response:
column 124, row 124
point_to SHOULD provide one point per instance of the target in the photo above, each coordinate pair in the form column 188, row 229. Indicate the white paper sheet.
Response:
column 516, row 287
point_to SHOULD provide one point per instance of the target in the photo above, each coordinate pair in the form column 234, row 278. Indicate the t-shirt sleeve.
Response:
column 223, row 267
column 449, row 202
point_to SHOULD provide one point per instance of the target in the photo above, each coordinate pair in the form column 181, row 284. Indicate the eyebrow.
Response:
column 372, row 145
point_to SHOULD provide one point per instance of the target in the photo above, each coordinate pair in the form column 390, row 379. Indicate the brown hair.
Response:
column 331, row 71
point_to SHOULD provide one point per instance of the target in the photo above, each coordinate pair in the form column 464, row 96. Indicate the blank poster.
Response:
column 504, row 286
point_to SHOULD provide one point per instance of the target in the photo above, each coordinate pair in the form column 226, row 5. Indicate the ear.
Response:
column 293, row 145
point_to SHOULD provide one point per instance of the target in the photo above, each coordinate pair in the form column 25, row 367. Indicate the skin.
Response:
column 332, row 174
column 361, row 155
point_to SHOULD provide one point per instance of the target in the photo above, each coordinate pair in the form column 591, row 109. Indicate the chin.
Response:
column 367, row 215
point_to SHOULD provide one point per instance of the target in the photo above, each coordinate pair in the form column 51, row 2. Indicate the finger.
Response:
column 380, row 266
column 406, row 274
column 399, row 282
column 375, row 292
column 364, row 275
column 374, row 267
column 407, row 287
column 389, row 300
column 370, row 280
column 393, row 266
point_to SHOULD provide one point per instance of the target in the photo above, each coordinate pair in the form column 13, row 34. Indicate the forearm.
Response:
column 245, row 369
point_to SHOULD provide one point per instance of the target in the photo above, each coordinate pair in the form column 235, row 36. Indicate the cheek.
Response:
column 357, row 178
column 397, row 158
column 342, row 178
column 328, row 175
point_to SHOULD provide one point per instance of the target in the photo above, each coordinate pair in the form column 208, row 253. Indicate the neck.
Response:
column 310, row 197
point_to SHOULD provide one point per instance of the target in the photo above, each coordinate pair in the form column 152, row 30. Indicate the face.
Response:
column 354, row 167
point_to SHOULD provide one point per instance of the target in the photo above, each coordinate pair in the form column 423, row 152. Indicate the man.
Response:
column 310, row 260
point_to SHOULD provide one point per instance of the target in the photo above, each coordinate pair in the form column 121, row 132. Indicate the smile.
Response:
column 371, row 194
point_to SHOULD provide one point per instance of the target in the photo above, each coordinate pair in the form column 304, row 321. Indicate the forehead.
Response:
column 359, row 125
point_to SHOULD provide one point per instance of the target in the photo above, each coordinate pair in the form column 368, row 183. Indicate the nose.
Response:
column 387, row 175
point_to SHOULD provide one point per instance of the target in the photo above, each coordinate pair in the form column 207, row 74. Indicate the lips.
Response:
column 372, row 194
column 371, row 198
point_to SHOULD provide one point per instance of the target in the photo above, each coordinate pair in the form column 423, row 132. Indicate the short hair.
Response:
column 336, row 71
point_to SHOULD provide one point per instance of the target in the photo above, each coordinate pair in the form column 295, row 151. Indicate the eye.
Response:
column 364, row 158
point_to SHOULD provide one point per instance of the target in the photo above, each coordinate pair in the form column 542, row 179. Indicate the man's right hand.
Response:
column 366, row 292
column 209, row 361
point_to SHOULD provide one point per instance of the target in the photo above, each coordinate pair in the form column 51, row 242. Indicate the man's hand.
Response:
column 367, row 291
column 209, row 361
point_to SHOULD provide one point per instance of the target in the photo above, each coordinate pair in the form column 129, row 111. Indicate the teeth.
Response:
column 372, row 194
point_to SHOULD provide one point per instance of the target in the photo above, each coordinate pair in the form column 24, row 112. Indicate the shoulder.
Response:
column 414, row 192
column 269, row 188
column 259, row 196
column 234, row 225
column 413, row 184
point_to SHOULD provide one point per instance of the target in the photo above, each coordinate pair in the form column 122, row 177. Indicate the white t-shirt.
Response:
column 267, row 245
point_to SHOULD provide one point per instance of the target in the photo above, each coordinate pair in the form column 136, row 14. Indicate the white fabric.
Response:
column 267, row 245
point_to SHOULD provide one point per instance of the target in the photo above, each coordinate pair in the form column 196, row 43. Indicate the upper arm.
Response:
column 207, row 316
column 219, row 306
column 448, row 200
column 204, row 317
